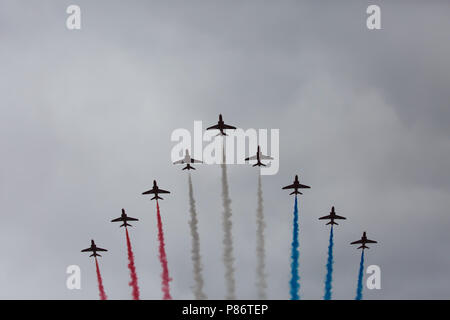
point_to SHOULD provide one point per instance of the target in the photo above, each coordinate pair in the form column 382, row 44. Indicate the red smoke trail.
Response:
column 163, row 258
column 134, row 281
column 100, row 282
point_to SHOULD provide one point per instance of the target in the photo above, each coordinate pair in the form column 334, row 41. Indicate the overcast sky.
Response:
column 86, row 119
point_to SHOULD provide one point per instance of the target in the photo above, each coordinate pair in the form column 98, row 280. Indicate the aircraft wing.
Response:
column 163, row 191
column 132, row 219
column 339, row 217
column 251, row 158
column 302, row 186
column 117, row 219
column 263, row 157
column 149, row 192
column 101, row 249
column 195, row 161
column 213, row 127
column 356, row 242
column 325, row 217
column 225, row 126
column 179, row 161
column 86, row 250
column 371, row 241
column 291, row 186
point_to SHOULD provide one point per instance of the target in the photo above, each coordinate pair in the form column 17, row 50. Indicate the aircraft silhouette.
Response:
column 124, row 218
column 332, row 216
column 296, row 185
column 363, row 242
column 221, row 126
column 155, row 190
column 93, row 248
column 187, row 160
column 258, row 157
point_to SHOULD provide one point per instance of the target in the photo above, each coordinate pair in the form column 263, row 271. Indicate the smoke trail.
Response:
column 100, row 282
column 329, row 276
column 196, row 258
column 227, row 237
column 359, row 288
column 261, row 282
column 134, row 281
column 295, row 278
column 165, row 279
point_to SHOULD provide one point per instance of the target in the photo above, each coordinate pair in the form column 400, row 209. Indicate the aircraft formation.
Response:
column 188, row 161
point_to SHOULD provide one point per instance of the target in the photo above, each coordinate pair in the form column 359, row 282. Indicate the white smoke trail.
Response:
column 196, row 258
column 261, row 283
column 228, row 258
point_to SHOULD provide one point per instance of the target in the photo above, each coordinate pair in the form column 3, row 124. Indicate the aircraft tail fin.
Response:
column 259, row 164
column 296, row 192
column 125, row 224
column 332, row 222
column 188, row 167
column 363, row 247
column 95, row 254
column 156, row 197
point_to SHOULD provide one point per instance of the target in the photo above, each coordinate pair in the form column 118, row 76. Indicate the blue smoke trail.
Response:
column 295, row 279
column 360, row 278
column 329, row 277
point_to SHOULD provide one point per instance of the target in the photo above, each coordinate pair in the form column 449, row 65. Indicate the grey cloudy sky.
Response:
column 86, row 119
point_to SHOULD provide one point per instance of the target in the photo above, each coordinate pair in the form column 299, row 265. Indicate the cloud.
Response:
column 86, row 120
